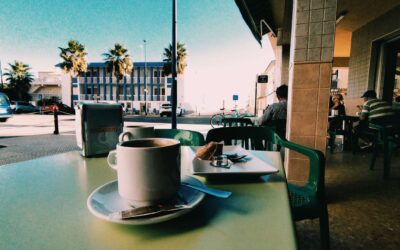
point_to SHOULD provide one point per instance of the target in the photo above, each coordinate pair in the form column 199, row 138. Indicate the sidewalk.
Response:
column 25, row 137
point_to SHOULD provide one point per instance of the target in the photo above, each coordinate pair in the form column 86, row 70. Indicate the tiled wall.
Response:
column 315, row 29
column 309, row 80
column 360, row 55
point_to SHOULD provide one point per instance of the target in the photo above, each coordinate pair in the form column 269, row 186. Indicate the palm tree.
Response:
column 74, row 60
column 19, row 78
column 119, row 62
column 181, row 57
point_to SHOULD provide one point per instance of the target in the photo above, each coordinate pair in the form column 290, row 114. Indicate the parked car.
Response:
column 23, row 107
column 166, row 109
column 5, row 108
column 61, row 108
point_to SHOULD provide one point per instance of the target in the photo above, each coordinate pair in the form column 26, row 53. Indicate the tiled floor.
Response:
column 364, row 209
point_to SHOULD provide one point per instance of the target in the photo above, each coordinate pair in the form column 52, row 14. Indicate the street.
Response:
column 24, row 136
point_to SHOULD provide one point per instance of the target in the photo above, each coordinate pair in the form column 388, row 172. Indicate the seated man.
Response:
column 372, row 111
column 276, row 111
column 275, row 114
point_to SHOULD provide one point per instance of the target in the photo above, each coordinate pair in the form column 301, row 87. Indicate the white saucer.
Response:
column 106, row 200
column 253, row 166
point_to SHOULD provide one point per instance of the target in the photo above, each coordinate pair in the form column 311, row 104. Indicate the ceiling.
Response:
column 357, row 14
column 361, row 12
column 275, row 13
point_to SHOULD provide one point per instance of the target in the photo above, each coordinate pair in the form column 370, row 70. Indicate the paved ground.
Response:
column 25, row 137
column 364, row 209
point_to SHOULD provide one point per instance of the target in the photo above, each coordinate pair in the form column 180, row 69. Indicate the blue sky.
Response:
column 223, row 57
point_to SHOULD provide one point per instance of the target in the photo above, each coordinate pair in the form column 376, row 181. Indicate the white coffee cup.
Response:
column 148, row 170
column 136, row 132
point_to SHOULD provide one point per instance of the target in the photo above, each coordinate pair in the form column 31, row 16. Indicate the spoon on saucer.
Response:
column 207, row 190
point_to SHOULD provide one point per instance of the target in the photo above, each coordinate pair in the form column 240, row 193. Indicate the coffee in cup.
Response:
column 148, row 170
column 136, row 132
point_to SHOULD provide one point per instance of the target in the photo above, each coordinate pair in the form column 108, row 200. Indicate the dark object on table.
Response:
column 98, row 127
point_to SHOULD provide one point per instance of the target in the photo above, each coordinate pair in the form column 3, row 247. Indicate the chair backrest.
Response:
column 316, row 179
column 236, row 122
column 254, row 138
column 186, row 137
column 279, row 126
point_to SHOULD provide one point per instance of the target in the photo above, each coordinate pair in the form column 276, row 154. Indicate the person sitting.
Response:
column 337, row 105
column 373, row 111
column 276, row 113
column 335, row 124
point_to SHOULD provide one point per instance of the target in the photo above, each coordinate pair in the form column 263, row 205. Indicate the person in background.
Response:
column 337, row 105
column 275, row 114
column 396, row 105
column 337, row 111
column 372, row 111
column 276, row 111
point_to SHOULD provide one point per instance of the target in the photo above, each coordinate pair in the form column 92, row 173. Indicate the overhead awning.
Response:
column 264, row 16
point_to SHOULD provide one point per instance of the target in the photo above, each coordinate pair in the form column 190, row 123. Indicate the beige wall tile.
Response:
column 314, row 41
column 330, row 14
column 305, row 76
column 323, row 100
column 317, row 15
column 317, row 4
column 308, row 141
column 301, row 42
column 315, row 28
column 327, row 54
column 320, row 143
column 328, row 27
column 300, row 55
column 303, row 5
column 330, row 4
column 314, row 54
column 328, row 41
column 325, row 75
column 303, row 123
column 322, row 124
column 302, row 29
column 299, row 170
column 305, row 100
column 303, row 17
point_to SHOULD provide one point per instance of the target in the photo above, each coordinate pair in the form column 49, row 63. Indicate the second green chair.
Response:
column 186, row 137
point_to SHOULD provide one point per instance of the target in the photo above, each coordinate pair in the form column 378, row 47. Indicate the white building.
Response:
column 145, row 86
column 48, row 85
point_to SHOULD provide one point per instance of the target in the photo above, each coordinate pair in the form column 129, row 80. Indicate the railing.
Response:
column 100, row 97
column 39, row 96
column 106, row 80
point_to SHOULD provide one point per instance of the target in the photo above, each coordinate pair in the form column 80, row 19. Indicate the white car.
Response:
column 166, row 109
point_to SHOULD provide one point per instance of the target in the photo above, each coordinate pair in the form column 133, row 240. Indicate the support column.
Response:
column 310, row 70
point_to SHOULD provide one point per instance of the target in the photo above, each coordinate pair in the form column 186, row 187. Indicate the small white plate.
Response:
column 252, row 166
column 106, row 200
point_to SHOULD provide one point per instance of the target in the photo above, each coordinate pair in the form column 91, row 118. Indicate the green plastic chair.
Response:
column 387, row 138
column 236, row 122
column 253, row 138
column 279, row 126
column 308, row 201
column 186, row 137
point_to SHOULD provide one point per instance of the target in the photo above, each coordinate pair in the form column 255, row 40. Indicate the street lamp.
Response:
column 145, row 103
column 145, row 82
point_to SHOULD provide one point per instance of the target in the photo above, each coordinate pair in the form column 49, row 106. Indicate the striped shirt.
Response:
column 375, row 108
